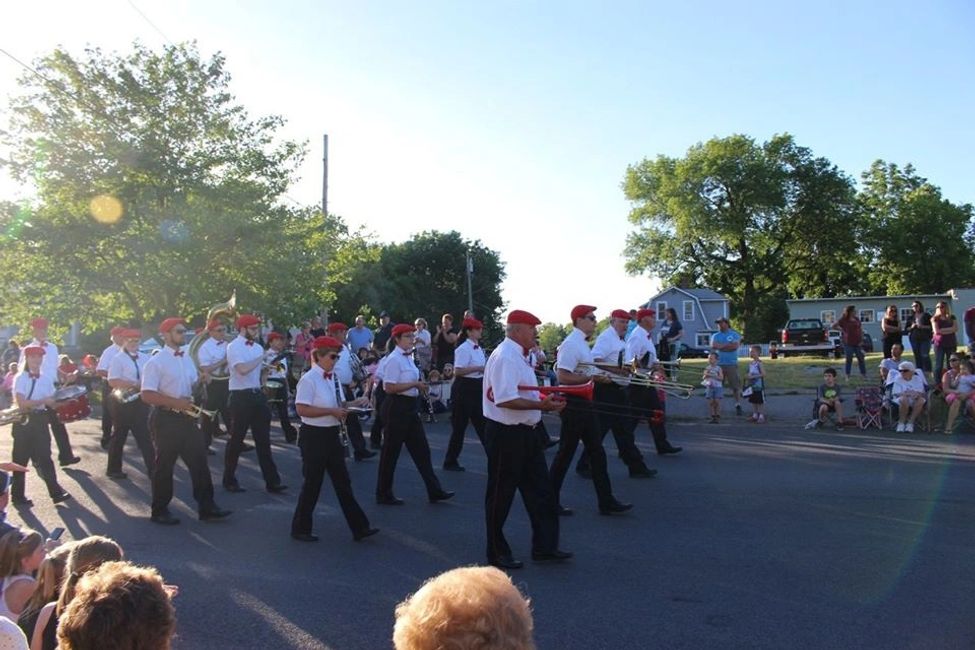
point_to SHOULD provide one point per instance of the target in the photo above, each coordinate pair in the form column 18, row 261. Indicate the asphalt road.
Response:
column 754, row 537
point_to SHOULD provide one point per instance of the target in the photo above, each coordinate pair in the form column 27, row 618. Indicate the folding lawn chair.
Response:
column 870, row 407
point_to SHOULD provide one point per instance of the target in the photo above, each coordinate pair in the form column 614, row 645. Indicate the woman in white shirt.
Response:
column 21, row 552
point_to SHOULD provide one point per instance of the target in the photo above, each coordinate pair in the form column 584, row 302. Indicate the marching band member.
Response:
column 322, row 408
column 277, row 358
column 469, row 362
column 248, row 407
column 401, row 381
column 515, row 450
column 644, row 399
column 379, row 398
column 614, row 407
column 104, row 361
column 49, row 367
column 579, row 420
column 345, row 369
column 34, row 394
column 125, row 375
column 167, row 387
column 212, row 357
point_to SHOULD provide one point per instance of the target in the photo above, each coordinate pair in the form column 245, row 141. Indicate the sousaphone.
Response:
column 225, row 312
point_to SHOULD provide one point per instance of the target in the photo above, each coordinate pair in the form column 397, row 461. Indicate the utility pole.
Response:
column 325, row 218
column 470, row 294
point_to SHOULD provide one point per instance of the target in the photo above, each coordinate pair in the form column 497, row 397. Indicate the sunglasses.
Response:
column 590, row 317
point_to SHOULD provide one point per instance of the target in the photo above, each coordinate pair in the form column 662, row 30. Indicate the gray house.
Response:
column 697, row 310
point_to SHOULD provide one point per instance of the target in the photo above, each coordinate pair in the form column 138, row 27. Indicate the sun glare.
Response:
column 106, row 209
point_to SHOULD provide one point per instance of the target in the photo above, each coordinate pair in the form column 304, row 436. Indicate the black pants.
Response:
column 890, row 341
column 643, row 402
column 403, row 427
column 249, row 410
column 579, row 423
column 353, row 426
column 376, row 432
column 614, row 415
column 32, row 443
column 516, row 462
column 322, row 452
column 108, row 408
column 217, row 396
column 280, row 408
column 133, row 417
column 467, row 407
column 175, row 436
column 60, row 433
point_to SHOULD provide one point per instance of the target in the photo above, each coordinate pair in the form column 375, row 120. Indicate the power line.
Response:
column 151, row 24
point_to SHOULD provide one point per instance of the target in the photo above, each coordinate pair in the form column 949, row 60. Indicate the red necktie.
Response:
column 249, row 343
column 178, row 353
column 328, row 375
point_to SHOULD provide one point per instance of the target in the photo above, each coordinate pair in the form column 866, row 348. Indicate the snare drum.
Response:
column 72, row 403
column 273, row 389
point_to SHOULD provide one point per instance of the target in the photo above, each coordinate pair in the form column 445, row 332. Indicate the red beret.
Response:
column 116, row 331
column 34, row 351
column 472, row 324
column 520, row 317
column 170, row 323
column 246, row 320
column 621, row 313
column 39, row 323
column 273, row 336
column 337, row 327
column 214, row 323
column 640, row 314
column 130, row 333
column 581, row 310
column 402, row 328
column 326, row 342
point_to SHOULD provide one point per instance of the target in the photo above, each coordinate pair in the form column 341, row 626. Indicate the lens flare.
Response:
column 106, row 209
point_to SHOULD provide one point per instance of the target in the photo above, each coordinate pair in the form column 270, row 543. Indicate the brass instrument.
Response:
column 13, row 415
column 126, row 395
column 577, row 390
column 227, row 312
column 196, row 411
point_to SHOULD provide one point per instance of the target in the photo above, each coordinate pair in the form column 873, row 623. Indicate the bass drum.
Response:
column 73, row 404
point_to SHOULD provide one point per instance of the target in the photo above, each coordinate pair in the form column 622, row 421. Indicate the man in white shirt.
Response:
column 345, row 369
column 889, row 367
column 108, row 405
column 248, row 407
column 574, row 364
column 644, row 399
column 908, row 392
column 515, row 450
column 125, row 375
column 167, row 386
column 212, row 359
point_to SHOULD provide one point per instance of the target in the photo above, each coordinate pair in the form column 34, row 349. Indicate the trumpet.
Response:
column 196, row 411
column 126, row 395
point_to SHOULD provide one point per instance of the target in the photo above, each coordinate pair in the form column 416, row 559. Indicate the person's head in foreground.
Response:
column 467, row 608
column 118, row 606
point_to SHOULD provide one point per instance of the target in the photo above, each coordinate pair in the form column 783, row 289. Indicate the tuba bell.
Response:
column 226, row 312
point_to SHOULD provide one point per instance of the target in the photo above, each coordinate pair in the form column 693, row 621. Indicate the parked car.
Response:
column 836, row 338
column 800, row 333
column 686, row 351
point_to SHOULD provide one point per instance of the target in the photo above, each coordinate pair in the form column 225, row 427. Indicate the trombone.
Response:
column 633, row 376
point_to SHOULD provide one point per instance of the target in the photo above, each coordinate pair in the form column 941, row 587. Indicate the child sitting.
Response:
column 828, row 400
column 962, row 392
column 712, row 380
column 755, row 385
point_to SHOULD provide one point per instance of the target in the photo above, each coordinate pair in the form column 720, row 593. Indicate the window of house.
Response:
column 688, row 310
column 661, row 310
column 906, row 312
column 881, row 315
column 703, row 340
column 866, row 316
column 828, row 316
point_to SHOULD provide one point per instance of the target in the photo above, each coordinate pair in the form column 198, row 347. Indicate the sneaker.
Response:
column 760, row 419
column 901, row 427
column 812, row 424
column 909, row 427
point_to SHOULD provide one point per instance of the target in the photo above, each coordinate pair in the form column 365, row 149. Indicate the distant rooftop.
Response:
column 700, row 294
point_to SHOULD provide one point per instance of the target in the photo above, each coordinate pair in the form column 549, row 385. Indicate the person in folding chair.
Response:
column 909, row 394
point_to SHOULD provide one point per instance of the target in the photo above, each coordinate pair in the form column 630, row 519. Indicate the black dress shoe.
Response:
column 443, row 495
column 304, row 537
column 60, row 498
column 23, row 502
column 585, row 472
column 277, row 489
column 362, row 534
column 615, row 508
column 364, row 455
column 234, row 488
column 389, row 500
column 565, row 512
column 117, row 475
column 551, row 556
column 164, row 519
column 506, row 562
column 214, row 514
column 669, row 449
column 643, row 472
column 454, row 467
column 70, row 461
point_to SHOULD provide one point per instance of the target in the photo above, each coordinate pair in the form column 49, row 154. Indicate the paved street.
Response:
column 756, row 536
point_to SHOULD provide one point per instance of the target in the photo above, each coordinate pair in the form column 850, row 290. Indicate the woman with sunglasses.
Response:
column 945, row 340
column 891, row 326
column 919, row 334
column 320, row 403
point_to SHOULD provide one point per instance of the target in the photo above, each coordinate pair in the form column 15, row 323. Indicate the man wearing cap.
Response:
column 402, row 426
column 49, row 367
column 908, row 392
column 573, row 364
column 276, row 361
column 466, row 404
column 515, row 450
column 345, row 369
column 383, row 332
column 322, row 408
column 34, row 395
column 125, row 375
column 248, row 406
column 644, row 400
column 725, row 342
column 212, row 359
column 108, row 404
column 167, row 387
column 614, row 407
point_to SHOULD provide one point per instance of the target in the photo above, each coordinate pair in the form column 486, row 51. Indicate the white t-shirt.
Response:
column 506, row 369
column 422, row 337
column 901, row 385
column 469, row 354
column 315, row 390
column 239, row 352
column 892, row 371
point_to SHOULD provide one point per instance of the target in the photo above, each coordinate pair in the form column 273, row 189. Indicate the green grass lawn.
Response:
column 790, row 373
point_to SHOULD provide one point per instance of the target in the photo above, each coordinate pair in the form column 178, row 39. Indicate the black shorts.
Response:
column 757, row 397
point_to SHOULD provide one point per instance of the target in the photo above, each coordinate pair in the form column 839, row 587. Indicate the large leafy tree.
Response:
column 155, row 193
column 747, row 220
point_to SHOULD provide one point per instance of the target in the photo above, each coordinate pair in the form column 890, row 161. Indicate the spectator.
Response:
column 632, row 325
column 725, row 343
column 907, row 391
column 50, row 576
column 359, row 336
column 891, row 327
column 945, row 339
column 960, row 391
column 21, row 552
column 829, row 399
column 423, row 342
column 711, row 379
column 919, row 333
column 7, row 390
column 670, row 340
column 852, row 336
column 118, row 606
column 384, row 331
column 443, row 342
column 756, row 384
column 888, row 367
column 969, row 320
column 11, row 636
column 11, row 354
column 950, row 377
column 470, row 607
column 316, row 327
column 303, row 347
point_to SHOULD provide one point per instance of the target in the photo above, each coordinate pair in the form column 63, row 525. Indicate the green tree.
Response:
column 550, row 336
column 747, row 220
column 918, row 242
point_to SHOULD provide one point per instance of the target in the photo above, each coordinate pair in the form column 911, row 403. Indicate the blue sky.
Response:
column 514, row 122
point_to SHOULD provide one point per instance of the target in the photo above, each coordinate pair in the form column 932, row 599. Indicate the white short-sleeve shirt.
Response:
column 507, row 368
column 43, row 386
column 239, row 352
column 639, row 344
column 573, row 352
column 400, row 369
column 608, row 346
column 169, row 374
column 211, row 352
column 49, row 366
column 123, row 366
column 315, row 390
column 105, row 360
column 469, row 354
